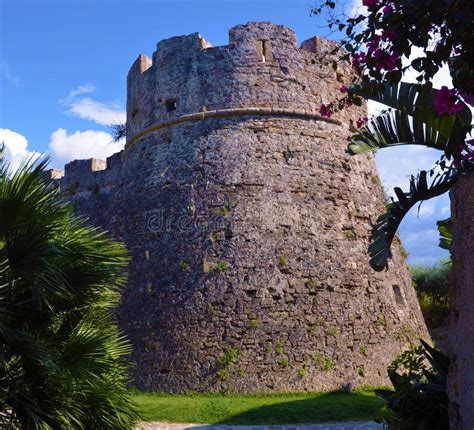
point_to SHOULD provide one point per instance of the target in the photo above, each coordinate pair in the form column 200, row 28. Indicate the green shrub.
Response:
column 61, row 355
column 432, row 285
column 419, row 400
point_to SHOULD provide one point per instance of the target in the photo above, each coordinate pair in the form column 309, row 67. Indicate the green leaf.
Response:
column 387, row 224
column 445, row 233
column 411, row 120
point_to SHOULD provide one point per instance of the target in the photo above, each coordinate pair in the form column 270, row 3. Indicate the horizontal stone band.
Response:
column 223, row 113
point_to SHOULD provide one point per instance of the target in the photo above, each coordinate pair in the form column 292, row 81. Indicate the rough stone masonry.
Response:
column 246, row 223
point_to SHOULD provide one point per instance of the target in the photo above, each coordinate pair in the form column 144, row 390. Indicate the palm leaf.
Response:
column 387, row 224
column 411, row 120
column 445, row 233
column 61, row 357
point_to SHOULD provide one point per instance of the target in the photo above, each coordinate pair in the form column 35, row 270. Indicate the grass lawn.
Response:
column 259, row 409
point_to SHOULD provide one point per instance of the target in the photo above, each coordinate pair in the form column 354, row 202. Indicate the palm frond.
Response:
column 61, row 353
column 387, row 224
column 411, row 120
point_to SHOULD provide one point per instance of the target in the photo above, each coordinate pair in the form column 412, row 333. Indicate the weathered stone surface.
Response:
column 461, row 330
column 246, row 224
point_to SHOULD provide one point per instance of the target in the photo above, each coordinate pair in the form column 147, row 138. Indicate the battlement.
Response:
column 88, row 175
column 261, row 67
column 231, row 198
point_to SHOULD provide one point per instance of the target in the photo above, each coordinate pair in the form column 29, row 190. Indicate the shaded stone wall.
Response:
column 246, row 224
column 461, row 330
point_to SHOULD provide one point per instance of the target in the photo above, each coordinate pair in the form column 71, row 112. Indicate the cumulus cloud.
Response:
column 397, row 164
column 16, row 147
column 90, row 109
column 79, row 145
column 101, row 113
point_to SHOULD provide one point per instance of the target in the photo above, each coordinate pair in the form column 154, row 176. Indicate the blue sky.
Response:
column 63, row 68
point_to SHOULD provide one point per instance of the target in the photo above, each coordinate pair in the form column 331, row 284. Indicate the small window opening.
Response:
column 264, row 51
column 398, row 295
column 170, row 105
column 264, row 42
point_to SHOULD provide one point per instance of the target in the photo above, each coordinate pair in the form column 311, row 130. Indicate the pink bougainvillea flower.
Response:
column 378, row 55
column 389, row 34
column 326, row 111
column 447, row 101
column 358, row 62
column 370, row 3
column 343, row 89
column 392, row 62
column 385, row 60
column 361, row 122
column 373, row 44
column 387, row 9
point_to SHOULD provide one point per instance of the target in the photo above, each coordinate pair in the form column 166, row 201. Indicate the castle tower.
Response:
column 246, row 223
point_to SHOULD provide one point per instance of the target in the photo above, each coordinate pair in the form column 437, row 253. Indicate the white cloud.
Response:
column 397, row 164
column 427, row 209
column 79, row 145
column 356, row 8
column 101, row 113
column 90, row 109
column 81, row 89
column 16, row 147
column 7, row 73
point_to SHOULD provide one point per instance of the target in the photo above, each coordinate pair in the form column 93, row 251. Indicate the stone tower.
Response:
column 246, row 223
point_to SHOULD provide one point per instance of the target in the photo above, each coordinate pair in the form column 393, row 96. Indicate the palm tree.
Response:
column 412, row 120
column 61, row 354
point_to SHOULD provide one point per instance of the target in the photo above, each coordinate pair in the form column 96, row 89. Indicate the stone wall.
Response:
column 246, row 223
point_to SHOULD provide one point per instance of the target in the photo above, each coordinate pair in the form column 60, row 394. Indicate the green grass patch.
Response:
column 282, row 408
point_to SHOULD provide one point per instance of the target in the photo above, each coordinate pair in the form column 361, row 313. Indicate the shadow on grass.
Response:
column 322, row 408
column 278, row 408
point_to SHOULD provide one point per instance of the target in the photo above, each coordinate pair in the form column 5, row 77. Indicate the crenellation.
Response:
column 248, row 34
column 245, row 222
column 141, row 65
column 261, row 67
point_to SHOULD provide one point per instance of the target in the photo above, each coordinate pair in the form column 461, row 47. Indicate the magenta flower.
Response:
column 389, row 34
column 387, row 9
column 370, row 3
column 447, row 101
column 373, row 44
column 392, row 62
column 386, row 61
column 343, row 89
column 361, row 122
column 358, row 61
column 326, row 111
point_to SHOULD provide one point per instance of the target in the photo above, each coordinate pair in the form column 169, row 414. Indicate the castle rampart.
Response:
column 246, row 223
column 261, row 67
